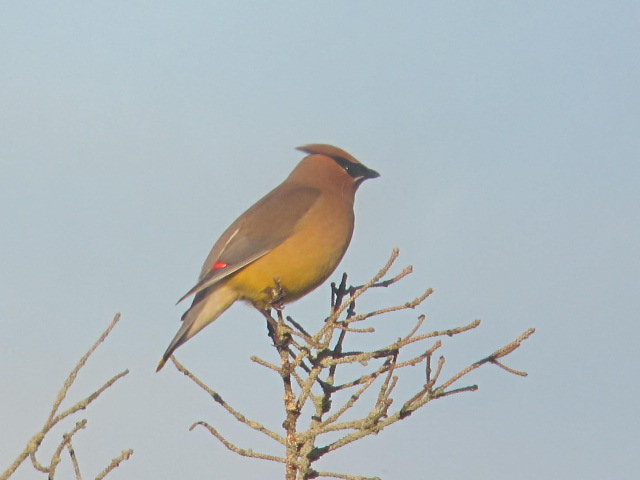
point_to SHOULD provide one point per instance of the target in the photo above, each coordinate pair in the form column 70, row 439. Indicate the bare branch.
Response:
column 352, row 400
column 115, row 463
column 235, row 449
column 510, row 370
column 66, row 440
column 82, row 404
column 54, row 417
column 412, row 304
column 74, row 373
column 346, row 328
column 308, row 366
column 342, row 476
column 501, row 352
column 74, row 460
column 264, row 363
column 383, row 271
column 239, row 416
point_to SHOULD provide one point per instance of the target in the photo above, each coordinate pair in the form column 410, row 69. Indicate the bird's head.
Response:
column 329, row 165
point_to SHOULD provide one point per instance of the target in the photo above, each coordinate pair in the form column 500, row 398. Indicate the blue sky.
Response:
column 506, row 134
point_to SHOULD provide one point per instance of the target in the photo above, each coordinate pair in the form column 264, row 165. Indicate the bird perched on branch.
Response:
column 297, row 234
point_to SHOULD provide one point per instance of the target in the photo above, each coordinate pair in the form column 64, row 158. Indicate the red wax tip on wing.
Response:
column 218, row 265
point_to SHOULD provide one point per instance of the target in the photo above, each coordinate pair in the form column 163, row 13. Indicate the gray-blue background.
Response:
column 507, row 136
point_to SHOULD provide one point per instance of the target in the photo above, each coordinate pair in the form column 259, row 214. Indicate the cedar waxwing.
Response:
column 296, row 233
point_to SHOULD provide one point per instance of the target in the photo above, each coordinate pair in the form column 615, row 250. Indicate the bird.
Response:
column 295, row 235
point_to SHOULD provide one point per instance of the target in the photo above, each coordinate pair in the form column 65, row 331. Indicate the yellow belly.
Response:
column 301, row 264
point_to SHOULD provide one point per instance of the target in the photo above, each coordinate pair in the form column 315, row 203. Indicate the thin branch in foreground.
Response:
column 240, row 451
column 342, row 476
column 308, row 365
column 66, row 441
column 74, row 460
column 115, row 463
column 238, row 416
column 54, row 418
column 501, row 352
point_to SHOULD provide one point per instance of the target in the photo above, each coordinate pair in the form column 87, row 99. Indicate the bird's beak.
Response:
column 366, row 174
column 371, row 174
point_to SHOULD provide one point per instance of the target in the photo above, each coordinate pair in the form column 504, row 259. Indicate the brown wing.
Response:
column 260, row 229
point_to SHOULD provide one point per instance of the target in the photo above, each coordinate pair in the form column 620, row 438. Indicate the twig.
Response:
column 66, row 440
column 239, row 416
column 501, row 352
column 412, row 304
column 54, row 417
column 308, row 374
column 344, row 477
column 264, row 363
column 240, row 451
column 74, row 460
column 383, row 271
column 115, row 463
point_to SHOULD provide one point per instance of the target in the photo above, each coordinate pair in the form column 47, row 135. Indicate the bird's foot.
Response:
column 275, row 296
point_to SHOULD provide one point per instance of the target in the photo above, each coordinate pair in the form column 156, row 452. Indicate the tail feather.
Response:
column 206, row 307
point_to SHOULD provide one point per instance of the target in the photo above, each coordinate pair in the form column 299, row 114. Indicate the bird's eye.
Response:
column 353, row 169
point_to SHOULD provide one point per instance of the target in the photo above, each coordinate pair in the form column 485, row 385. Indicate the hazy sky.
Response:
column 507, row 135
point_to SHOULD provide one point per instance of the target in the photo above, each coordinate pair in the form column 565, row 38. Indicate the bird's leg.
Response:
column 274, row 299
column 275, row 295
